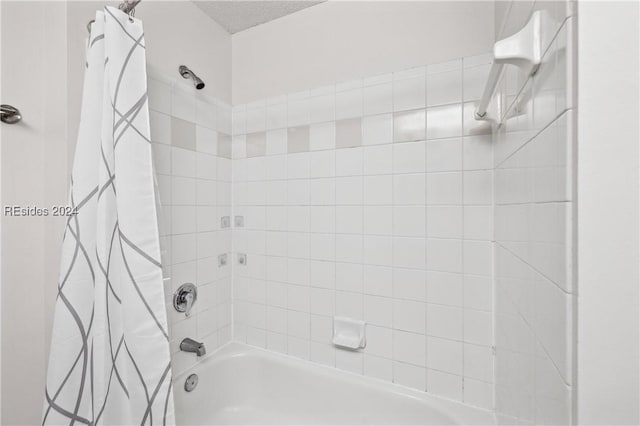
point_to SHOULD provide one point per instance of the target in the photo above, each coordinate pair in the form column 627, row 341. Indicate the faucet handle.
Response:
column 189, row 303
column 184, row 298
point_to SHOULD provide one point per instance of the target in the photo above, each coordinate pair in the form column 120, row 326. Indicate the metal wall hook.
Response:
column 10, row 114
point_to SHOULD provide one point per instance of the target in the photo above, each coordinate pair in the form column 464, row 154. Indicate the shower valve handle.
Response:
column 185, row 297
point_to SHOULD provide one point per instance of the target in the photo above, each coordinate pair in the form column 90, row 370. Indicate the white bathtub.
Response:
column 241, row 384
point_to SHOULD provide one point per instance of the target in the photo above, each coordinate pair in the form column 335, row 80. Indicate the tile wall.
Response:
column 192, row 158
column 371, row 199
column 534, row 232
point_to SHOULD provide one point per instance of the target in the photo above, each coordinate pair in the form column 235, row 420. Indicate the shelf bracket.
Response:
column 523, row 49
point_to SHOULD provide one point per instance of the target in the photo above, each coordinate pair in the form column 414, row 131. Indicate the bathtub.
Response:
column 241, row 384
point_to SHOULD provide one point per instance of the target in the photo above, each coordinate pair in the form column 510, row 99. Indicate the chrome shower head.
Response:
column 187, row 73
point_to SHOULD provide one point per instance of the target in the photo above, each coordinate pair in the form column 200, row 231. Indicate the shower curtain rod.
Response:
column 127, row 6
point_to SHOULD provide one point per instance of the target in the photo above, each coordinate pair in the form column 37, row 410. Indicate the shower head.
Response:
column 187, row 73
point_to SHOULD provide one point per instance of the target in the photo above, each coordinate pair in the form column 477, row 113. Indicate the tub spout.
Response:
column 190, row 345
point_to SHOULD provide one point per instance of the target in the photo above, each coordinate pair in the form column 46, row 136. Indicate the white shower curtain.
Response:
column 110, row 360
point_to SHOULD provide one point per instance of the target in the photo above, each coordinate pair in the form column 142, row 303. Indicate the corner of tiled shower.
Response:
column 534, row 233
column 191, row 140
column 376, row 199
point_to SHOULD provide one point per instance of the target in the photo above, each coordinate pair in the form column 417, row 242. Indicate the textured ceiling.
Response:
column 238, row 15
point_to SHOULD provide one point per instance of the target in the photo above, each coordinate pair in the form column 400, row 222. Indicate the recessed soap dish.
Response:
column 349, row 333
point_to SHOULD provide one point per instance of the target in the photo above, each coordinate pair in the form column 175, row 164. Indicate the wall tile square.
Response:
column 161, row 158
column 348, row 133
column 377, row 129
column 183, row 104
column 183, row 134
column 349, row 219
column 444, row 221
column 206, row 140
column 379, row 341
column 256, row 144
column 298, row 165
column 378, row 220
column 349, row 190
column 409, row 157
column 409, row 348
column 478, row 257
column 323, row 164
column 349, row 104
column 409, row 375
column 349, row 361
column 444, row 321
column 477, row 327
column 349, row 162
column 256, row 117
column 409, row 126
column 322, row 108
column 475, row 79
column 378, row 367
column 409, row 189
column 378, row 190
column 444, row 121
column 378, row 250
column 478, row 292
column 478, row 152
column 322, row 301
column 183, row 162
column 445, row 288
column 378, row 280
column 444, row 384
column 444, row 155
column 445, row 355
column 478, row 187
column 323, row 354
column 409, row 316
column 378, row 99
column 378, row 160
column 478, row 362
column 298, row 139
column 276, row 142
column 349, row 248
column 322, row 136
column 349, row 305
column 409, row 284
column 444, row 255
column 160, row 127
column 276, row 113
column 322, row 191
column 444, row 188
column 183, row 190
column 409, row 221
column 224, row 145
column 409, row 252
column 298, row 113
column 409, row 93
column 444, row 88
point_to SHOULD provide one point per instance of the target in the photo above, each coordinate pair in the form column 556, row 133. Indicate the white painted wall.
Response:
column 338, row 41
column 33, row 174
column 608, row 69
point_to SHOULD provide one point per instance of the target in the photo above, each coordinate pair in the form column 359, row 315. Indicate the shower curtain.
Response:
column 110, row 360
